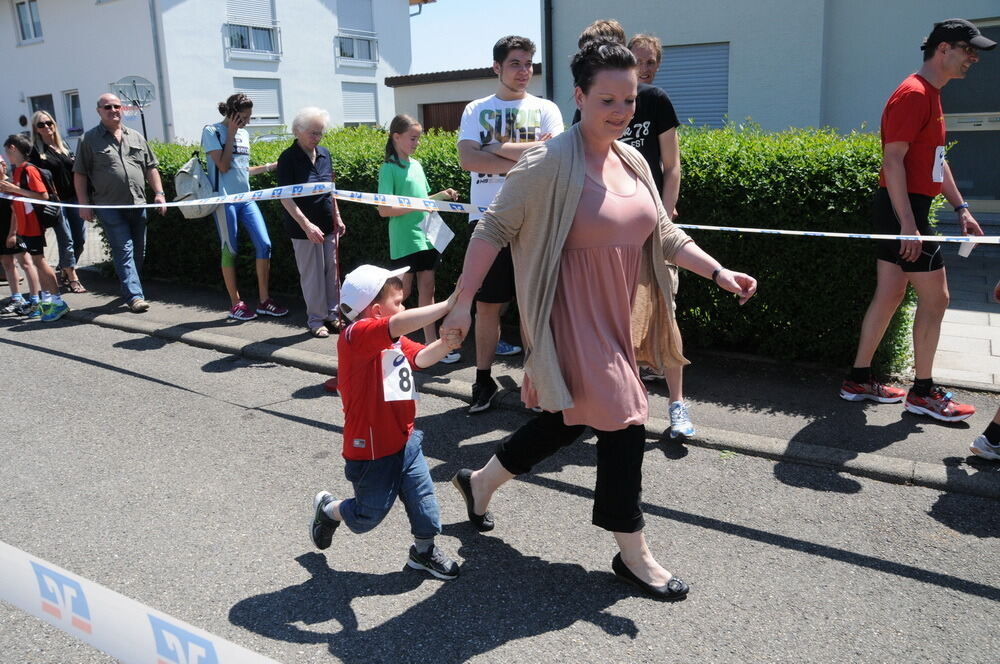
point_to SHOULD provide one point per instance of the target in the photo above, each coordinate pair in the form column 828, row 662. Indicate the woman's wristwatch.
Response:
column 963, row 206
column 715, row 274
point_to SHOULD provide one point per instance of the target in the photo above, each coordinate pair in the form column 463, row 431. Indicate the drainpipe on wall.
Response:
column 549, row 58
column 154, row 23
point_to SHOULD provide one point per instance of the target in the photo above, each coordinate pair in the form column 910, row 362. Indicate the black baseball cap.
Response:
column 955, row 30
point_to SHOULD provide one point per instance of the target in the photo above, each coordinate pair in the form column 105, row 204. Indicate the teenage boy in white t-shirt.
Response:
column 495, row 131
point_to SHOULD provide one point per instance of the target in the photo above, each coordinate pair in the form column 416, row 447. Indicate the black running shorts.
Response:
column 885, row 222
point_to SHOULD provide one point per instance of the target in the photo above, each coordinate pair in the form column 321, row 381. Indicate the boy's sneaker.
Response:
column 982, row 446
column 11, row 306
column 241, row 311
column 872, row 390
column 680, row 420
column 30, row 310
column 271, row 308
column 451, row 358
column 505, row 349
column 322, row 527
column 56, row 310
column 649, row 375
column 434, row 561
column 482, row 396
column 938, row 405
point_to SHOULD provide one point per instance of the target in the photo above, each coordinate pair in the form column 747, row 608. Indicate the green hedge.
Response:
column 813, row 291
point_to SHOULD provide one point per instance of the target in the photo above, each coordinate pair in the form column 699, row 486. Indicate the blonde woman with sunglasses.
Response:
column 49, row 151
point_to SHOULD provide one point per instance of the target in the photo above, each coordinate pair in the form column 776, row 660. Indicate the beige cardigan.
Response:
column 533, row 213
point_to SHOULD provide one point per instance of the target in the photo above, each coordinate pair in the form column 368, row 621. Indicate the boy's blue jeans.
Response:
column 377, row 484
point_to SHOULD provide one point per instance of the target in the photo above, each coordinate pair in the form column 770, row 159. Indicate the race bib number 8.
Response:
column 397, row 377
column 938, row 174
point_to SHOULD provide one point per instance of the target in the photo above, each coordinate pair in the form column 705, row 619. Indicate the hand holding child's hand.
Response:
column 453, row 339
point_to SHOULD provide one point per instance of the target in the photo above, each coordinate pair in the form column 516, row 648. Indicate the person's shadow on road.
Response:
column 500, row 596
column 969, row 515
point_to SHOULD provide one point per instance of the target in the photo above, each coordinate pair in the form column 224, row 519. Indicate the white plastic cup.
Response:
column 966, row 248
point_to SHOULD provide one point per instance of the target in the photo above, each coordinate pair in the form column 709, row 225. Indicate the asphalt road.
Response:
column 183, row 478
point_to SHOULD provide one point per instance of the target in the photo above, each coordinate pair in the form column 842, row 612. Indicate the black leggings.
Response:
column 619, row 465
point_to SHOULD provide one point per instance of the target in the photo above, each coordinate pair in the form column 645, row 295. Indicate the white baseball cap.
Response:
column 361, row 287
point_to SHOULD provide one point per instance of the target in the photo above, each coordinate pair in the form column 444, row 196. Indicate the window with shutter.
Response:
column 355, row 16
column 360, row 103
column 251, row 31
column 696, row 78
column 266, row 96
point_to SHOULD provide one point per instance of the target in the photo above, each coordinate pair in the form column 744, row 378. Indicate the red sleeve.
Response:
column 35, row 181
column 905, row 116
column 368, row 336
column 410, row 350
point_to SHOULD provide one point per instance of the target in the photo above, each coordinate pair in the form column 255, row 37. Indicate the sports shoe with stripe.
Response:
column 872, row 391
column 241, row 311
column 982, row 446
column 505, row 349
column 271, row 308
column 939, row 405
column 680, row 420
column 322, row 527
column 55, row 311
column 434, row 561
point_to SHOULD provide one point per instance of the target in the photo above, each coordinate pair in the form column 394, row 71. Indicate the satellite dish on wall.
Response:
column 135, row 89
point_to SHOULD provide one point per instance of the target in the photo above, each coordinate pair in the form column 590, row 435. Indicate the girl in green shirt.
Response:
column 409, row 247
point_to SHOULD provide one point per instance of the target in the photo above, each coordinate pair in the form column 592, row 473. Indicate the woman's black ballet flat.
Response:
column 674, row 590
column 463, row 482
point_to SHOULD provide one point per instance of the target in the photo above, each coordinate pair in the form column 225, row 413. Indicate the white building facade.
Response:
column 801, row 63
column 60, row 55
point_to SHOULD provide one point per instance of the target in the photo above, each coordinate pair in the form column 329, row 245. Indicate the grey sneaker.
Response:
column 322, row 527
column 434, row 561
column 982, row 446
column 649, row 375
column 680, row 420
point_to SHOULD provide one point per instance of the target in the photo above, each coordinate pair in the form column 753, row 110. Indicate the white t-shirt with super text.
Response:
column 492, row 120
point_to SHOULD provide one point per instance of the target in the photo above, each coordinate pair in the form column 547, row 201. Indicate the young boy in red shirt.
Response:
column 28, row 183
column 383, row 451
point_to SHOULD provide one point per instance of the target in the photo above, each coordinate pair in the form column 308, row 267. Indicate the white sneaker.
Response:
column 680, row 420
column 981, row 446
column 451, row 358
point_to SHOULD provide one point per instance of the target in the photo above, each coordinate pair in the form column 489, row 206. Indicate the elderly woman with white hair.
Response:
column 313, row 222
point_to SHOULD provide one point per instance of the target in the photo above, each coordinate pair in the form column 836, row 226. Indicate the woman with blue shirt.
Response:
column 313, row 222
column 227, row 145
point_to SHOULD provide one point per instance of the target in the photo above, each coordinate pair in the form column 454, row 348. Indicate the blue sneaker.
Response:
column 680, row 420
column 55, row 311
column 506, row 349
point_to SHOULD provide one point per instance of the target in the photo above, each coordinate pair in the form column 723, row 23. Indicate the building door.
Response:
column 445, row 116
column 972, row 115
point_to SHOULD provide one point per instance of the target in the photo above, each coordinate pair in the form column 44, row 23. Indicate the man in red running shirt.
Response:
column 914, row 171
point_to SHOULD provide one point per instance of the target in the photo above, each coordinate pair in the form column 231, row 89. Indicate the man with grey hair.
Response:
column 113, row 165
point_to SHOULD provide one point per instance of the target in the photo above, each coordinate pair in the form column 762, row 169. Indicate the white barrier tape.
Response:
column 427, row 204
column 124, row 628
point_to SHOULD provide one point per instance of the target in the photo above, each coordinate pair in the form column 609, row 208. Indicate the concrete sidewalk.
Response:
column 788, row 413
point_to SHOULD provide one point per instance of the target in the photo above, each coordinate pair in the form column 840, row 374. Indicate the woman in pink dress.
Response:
column 591, row 244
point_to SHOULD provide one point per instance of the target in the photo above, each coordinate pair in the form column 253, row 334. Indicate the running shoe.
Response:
column 451, row 358
column 649, row 375
column 138, row 306
column 11, row 306
column 30, row 310
column 872, row 390
column 434, row 561
column 25, row 307
column 482, row 396
column 982, row 446
column 680, row 420
column 322, row 527
column 939, row 405
column 241, row 311
column 272, row 308
column 55, row 311
column 505, row 349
